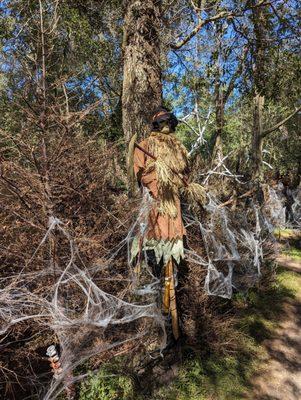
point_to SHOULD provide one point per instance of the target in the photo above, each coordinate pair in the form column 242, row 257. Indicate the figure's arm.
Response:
column 139, row 161
column 145, row 177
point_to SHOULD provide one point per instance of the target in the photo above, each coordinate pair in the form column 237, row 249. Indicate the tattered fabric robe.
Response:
column 163, row 180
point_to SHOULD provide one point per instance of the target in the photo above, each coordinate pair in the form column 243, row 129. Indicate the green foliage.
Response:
column 294, row 253
column 281, row 233
column 107, row 386
column 292, row 281
column 216, row 377
column 83, row 55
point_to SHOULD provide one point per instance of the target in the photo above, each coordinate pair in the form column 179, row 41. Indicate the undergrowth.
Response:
column 208, row 375
column 106, row 385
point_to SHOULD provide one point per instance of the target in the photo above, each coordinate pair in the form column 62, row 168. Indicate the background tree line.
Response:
column 238, row 59
column 79, row 78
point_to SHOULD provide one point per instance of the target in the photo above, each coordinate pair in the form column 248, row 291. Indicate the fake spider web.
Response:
column 89, row 320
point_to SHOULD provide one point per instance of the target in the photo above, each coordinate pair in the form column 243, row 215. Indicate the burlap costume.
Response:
column 160, row 165
column 165, row 225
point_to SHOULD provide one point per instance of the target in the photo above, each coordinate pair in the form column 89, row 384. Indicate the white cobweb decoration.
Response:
column 283, row 206
column 296, row 207
column 89, row 320
column 233, row 243
column 275, row 206
column 75, row 305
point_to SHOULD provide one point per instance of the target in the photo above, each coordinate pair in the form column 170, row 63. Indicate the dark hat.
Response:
column 163, row 115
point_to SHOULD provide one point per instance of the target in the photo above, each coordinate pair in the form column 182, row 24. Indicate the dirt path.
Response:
column 280, row 378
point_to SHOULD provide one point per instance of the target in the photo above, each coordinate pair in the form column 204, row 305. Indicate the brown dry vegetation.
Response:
column 84, row 187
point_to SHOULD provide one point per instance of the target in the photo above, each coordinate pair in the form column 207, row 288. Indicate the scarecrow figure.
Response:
column 161, row 165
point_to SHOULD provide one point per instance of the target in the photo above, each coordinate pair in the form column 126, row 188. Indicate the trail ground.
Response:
column 267, row 365
column 280, row 379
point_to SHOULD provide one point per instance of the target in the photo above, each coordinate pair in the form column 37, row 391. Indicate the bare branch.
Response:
column 221, row 15
column 236, row 74
column 273, row 128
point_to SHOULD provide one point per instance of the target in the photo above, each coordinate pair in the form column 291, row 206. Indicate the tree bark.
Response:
column 259, row 24
column 257, row 145
column 142, row 86
column 219, row 96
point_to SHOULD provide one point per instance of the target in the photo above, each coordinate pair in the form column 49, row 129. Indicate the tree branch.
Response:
column 232, row 199
column 222, row 14
column 273, row 128
column 236, row 74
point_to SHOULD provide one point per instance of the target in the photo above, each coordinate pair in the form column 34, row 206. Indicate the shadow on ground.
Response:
column 201, row 375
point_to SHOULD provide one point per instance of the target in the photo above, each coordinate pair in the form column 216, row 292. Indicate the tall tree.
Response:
column 259, row 20
column 142, row 85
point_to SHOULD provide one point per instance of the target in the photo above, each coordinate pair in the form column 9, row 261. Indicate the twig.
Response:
column 239, row 197
column 200, row 138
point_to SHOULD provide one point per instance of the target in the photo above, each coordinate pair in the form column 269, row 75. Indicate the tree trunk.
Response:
column 219, row 119
column 219, row 96
column 142, row 86
column 259, row 24
column 257, row 146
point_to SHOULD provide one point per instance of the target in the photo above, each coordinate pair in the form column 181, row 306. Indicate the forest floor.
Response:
column 280, row 379
column 266, row 364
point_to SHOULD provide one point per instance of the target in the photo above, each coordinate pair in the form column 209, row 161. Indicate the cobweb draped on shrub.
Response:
column 88, row 319
column 233, row 243
column 283, row 211
column 296, row 207
column 74, row 303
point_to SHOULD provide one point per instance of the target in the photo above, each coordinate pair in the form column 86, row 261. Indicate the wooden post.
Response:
column 169, row 298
